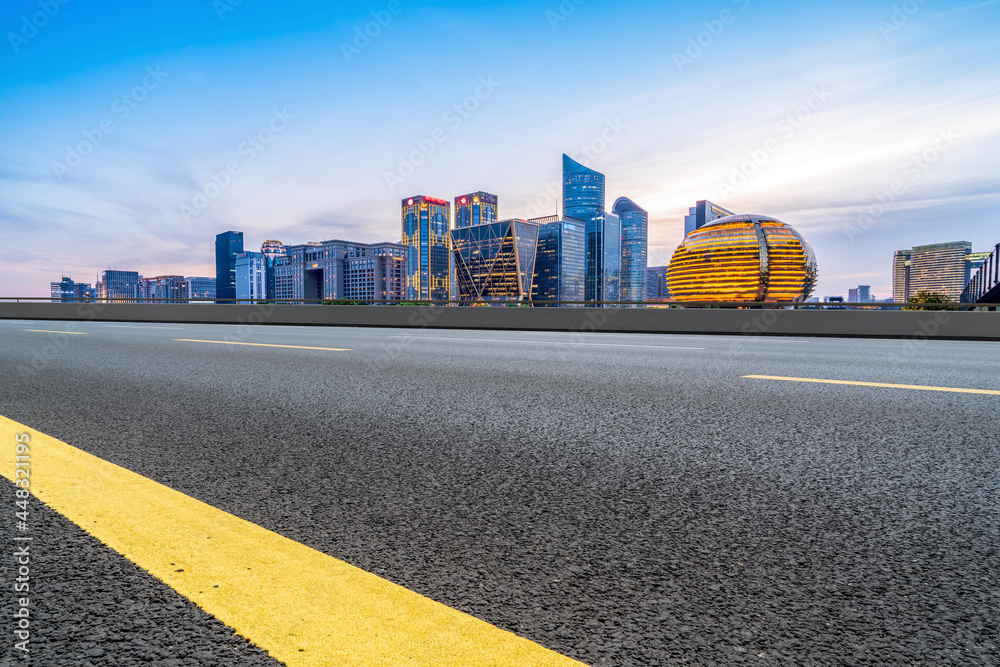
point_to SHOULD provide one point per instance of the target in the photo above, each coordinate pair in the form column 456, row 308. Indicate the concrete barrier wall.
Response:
column 962, row 325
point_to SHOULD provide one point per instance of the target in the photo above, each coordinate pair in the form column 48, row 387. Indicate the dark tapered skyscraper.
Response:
column 478, row 208
column 560, row 261
column 583, row 198
column 227, row 246
column 635, row 221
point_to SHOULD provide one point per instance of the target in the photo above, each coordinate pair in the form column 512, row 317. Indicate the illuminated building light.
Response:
column 743, row 258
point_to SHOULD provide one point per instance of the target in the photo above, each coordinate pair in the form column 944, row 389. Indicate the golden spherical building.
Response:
column 743, row 258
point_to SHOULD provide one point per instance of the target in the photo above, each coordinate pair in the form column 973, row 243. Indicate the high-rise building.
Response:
column 342, row 270
column 378, row 273
column 426, row 223
column 901, row 276
column 254, row 271
column 227, row 246
column 477, row 208
column 67, row 291
column 860, row 294
column 702, row 213
column 560, row 260
column 273, row 249
column 200, row 287
column 64, row 290
column 583, row 199
column 635, row 223
column 607, row 249
column 941, row 268
column 656, row 283
column 163, row 287
column 496, row 261
column 118, row 286
column 583, row 190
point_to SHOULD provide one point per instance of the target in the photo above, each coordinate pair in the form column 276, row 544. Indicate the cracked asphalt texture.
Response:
column 611, row 497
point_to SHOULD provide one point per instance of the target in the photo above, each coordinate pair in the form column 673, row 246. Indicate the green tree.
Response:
column 925, row 301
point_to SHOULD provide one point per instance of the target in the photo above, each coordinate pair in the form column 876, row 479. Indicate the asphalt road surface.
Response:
column 620, row 499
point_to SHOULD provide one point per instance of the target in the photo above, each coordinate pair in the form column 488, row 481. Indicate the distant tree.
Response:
column 925, row 301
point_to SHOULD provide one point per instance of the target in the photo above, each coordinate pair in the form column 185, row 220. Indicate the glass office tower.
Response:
column 607, row 250
column 901, row 276
column 227, row 246
column 583, row 199
column 254, row 270
column 426, row 223
column 67, row 291
column 702, row 213
column 478, row 208
column 635, row 223
column 583, row 190
column 118, row 286
column 560, row 261
column 495, row 262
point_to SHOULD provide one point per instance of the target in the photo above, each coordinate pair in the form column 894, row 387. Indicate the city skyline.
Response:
column 284, row 133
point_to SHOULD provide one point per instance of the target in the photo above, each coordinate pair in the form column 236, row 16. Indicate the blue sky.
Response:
column 868, row 126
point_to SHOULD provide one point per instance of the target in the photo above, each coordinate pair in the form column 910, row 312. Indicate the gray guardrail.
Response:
column 958, row 325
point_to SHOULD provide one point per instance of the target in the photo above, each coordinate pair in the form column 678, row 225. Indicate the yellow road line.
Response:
column 294, row 347
column 305, row 608
column 992, row 392
column 72, row 333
